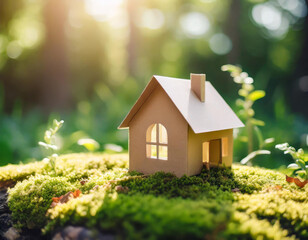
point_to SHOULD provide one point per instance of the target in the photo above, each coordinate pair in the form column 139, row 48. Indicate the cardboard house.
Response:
column 178, row 125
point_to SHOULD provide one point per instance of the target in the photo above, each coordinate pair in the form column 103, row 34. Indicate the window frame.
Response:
column 156, row 143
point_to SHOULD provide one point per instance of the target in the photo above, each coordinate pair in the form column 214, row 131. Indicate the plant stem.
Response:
column 250, row 135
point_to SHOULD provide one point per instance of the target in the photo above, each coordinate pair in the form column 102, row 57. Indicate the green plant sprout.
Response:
column 50, row 145
column 90, row 144
column 301, row 164
column 245, row 102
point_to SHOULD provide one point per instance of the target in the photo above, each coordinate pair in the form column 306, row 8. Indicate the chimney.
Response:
column 197, row 85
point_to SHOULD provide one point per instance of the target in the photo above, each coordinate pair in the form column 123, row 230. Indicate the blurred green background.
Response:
column 87, row 61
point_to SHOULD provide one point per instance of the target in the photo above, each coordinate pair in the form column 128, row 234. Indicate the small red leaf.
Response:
column 278, row 187
column 55, row 199
column 298, row 182
column 76, row 193
column 65, row 198
column 83, row 182
column 289, row 179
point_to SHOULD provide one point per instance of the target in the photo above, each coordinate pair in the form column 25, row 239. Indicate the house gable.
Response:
column 158, row 108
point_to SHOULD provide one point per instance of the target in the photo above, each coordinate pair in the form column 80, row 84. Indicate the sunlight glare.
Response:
column 152, row 19
column 102, row 10
column 208, row 1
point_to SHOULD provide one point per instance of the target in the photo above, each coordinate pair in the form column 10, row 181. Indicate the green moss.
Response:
column 21, row 171
column 248, row 226
column 290, row 208
column 102, row 178
column 250, row 179
column 143, row 216
column 30, row 199
column 160, row 206
column 82, row 166
column 208, row 184
column 72, row 166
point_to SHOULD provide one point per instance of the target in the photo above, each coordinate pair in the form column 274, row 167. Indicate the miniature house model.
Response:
column 178, row 125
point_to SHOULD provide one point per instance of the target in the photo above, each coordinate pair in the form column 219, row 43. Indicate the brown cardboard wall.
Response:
column 158, row 108
column 195, row 142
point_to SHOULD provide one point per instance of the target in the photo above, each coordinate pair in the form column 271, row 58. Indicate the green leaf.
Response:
column 253, row 155
column 242, row 113
column 47, row 137
column 269, row 140
column 282, row 146
column 259, row 136
column 248, row 80
column 288, row 151
column 295, row 171
column 57, row 123
column 113, row 147
column 300, row 153
column 248, row 87
column 231, row 68
column 301, row 163
column 243, row 92
column 243, row 138
column 257, row 122
column 301, row 172
column 255, row 95
column 239, row 102
column 90, row 144
column 48, row 146
column 293, row 166
column 250, row 112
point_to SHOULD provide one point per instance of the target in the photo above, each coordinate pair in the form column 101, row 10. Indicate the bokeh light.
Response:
column 195, row 24
column 152, row 19
column 220, row 44
column 297, row 7
column 275, row 18
column 13, row 50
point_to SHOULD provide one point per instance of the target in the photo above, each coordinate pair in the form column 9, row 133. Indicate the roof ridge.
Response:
column 212, row 115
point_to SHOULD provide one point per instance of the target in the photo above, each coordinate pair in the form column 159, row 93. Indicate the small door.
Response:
column 215, row 151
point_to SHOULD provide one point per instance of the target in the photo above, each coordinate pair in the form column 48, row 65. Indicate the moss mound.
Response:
column 242, row 202
column 73, row 166
column 30, row 199
column 143, row 216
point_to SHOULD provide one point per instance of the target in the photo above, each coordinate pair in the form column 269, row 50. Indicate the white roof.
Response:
column 212, row 115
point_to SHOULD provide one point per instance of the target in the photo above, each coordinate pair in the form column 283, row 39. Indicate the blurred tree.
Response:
column 20, row 36
column 55, row 87
column 132, row 46
column 232, row 29
column 299, row 85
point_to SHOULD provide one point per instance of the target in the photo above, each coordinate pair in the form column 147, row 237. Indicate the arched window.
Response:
column 157, row 142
